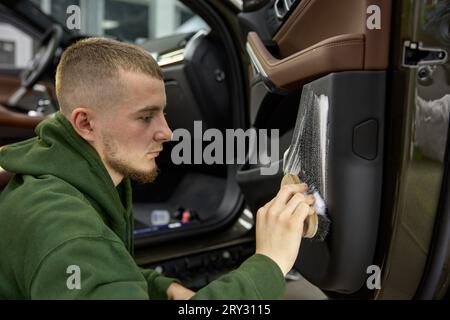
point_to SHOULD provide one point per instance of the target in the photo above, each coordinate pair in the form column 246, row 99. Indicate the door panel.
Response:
column 321, row 37
column 326, row 47
column 354, row 166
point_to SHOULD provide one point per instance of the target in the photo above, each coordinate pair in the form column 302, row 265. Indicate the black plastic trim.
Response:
column 354, row 184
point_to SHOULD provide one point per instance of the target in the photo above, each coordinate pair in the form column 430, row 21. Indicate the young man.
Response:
column 68, row 208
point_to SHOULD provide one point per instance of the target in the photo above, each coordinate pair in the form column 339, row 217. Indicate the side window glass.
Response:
column 16, row 46
column 137, row 21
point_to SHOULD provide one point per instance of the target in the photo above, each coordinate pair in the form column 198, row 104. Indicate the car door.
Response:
column 351, row 53
column 415, row 258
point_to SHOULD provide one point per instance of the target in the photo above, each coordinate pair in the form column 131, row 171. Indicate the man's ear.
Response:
column 82, row 120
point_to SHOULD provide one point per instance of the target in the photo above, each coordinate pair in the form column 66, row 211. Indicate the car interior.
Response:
column 195, row 222
column 345, row 61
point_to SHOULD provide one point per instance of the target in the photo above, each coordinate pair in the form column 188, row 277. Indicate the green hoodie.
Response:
column 62, row 219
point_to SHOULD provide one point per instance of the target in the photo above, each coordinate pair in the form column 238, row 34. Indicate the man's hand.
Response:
column 279, row 225
column 177, row 292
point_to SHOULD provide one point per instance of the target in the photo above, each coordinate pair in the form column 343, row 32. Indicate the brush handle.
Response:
column 312, row 221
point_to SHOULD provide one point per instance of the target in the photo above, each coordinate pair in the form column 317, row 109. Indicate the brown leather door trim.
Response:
column 313, row 21
column 343, row 52
column 8, row 85
column 15, row 119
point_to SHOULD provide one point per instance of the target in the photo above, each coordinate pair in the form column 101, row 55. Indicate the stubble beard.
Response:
column 123, row 167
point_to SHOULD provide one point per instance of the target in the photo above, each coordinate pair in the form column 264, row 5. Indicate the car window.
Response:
column 136, row 21
column 16, row 46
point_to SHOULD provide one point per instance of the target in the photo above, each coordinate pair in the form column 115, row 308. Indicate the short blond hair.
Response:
column 88, row 73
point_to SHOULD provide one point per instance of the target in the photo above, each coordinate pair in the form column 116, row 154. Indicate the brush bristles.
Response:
column 323, row 228
column 307, row 154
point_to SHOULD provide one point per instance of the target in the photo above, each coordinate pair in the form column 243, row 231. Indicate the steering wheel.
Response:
column 40, row 61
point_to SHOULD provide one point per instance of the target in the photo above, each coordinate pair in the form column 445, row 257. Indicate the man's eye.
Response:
column 146, row 119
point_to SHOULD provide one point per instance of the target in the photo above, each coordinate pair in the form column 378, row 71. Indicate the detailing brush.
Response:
column 304, row 160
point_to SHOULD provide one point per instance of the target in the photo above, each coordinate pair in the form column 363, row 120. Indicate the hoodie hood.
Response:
column 59, row 151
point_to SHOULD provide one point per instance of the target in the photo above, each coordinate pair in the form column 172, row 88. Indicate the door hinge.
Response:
column 415, row 55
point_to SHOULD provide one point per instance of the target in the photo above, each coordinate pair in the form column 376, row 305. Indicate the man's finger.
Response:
column 285, row 194
column 300, row 214
column 293, row 204
column 309, row 199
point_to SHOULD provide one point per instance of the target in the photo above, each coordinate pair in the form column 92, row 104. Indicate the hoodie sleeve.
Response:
column 157, row 284
column 88, row 268
column 259, row 277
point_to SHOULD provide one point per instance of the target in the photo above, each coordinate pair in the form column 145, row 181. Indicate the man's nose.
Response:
column 164, row 134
